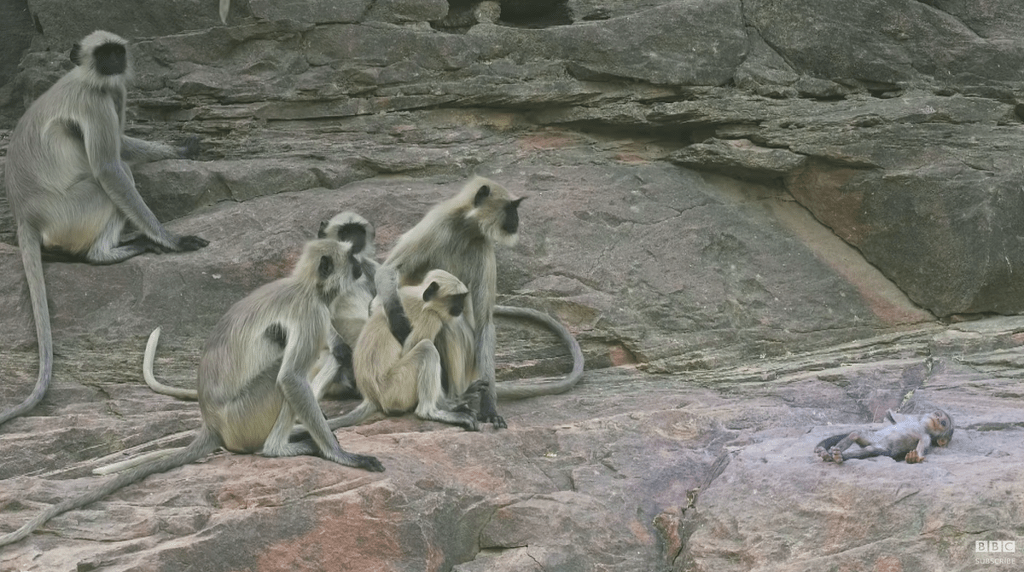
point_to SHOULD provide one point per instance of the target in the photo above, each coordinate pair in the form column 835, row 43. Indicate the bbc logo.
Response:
column 991, row 546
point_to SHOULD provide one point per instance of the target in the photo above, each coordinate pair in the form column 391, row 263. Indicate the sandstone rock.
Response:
column 752, row 221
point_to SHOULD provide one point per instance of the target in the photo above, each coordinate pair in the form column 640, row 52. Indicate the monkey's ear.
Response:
column 481, row 195
column 76, row 54
column 431, row 292
column 326, row 267
column 322, row 233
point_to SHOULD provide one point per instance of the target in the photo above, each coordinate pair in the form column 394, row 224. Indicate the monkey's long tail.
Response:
column 153, row 382
column 516, row 391
column 135, row 461
column 31, row 258
column 204, row 444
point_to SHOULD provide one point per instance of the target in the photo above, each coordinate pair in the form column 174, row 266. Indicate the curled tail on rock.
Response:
column 509, row 390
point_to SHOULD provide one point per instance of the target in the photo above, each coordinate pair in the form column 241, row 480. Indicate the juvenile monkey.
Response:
column 253, row 377
column 398, row 370
column 908, row 437
column 69, row 184
column 350, row 311
column 458, row 235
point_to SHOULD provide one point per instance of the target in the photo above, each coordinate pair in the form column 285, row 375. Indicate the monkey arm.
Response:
column 293, row 382
column 386, row 282
column 138, row 151
column 102, row 147
column 916, row 455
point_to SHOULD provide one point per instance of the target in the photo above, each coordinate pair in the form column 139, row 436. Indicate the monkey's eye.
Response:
column 943, row 422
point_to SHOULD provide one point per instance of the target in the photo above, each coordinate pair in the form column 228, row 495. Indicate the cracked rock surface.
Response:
column 765, row 221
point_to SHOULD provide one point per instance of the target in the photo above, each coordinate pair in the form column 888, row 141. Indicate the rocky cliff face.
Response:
column 758, row 216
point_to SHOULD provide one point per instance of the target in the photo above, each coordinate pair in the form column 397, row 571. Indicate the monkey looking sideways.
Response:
column 69, row 185
column 458, row 236
column 253, row 377
column 908, row 437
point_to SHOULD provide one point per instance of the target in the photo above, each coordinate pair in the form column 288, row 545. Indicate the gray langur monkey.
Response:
column 908, row 438
column 69, row 184
column 458, row 235
column 253, row 377
column 349, row 312
column 400, row 370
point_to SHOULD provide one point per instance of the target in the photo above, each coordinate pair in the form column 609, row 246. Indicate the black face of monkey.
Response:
column 510, row 224
column 456, row 305
column 111, row 59
column 353, row 233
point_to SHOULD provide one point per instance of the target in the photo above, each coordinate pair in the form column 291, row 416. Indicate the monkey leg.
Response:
column 422, row 364
column 87, row 225
column 839, row 453
column 362, row 411
column 299, row 402
column 822, row 449
column 278, row 443
column 485, row 365
column 106, row 249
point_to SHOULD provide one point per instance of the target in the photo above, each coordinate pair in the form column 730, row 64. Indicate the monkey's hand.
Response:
column 821, row 452
column 914, row 457
column 190, row 148
column 189, row 243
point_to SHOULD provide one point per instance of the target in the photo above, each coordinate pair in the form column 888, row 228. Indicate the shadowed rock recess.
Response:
column 767, row 222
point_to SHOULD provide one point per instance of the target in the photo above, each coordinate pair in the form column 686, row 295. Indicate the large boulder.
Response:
column 765, row 221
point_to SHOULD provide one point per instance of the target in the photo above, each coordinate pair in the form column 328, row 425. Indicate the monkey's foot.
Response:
column 837, row 454
column 821, row 452
column 493, row 419
column 488, row 412
column 470, row 424
column 913, row 457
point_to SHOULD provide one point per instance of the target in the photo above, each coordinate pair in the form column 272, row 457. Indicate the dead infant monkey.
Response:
column 908, row 437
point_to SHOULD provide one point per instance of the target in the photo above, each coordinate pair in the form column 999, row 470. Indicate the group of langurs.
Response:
column 414, row 333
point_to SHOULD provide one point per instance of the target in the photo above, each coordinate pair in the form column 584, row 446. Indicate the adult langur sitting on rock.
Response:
column 458, row 236
column 332, row 376
column 69, row 184
column 253, row 378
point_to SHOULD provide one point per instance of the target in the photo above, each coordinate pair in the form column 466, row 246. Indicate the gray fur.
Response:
column 396, row 377
column 70, row 187
column 458, row 235
column 250, row 388
column 351, row 310
column 908, row 438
